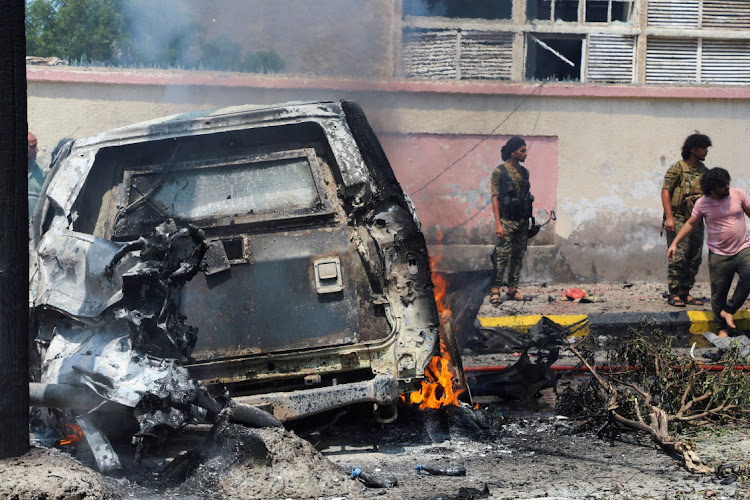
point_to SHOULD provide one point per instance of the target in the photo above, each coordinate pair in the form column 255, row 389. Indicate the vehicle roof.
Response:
column 214, row 119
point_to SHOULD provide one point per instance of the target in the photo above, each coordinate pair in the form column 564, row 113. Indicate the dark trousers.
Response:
column 722, row 269
column 682, row 269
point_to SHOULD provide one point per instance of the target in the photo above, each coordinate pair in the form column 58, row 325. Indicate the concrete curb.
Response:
column 687, row 326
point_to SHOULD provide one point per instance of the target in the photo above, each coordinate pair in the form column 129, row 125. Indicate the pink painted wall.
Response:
column 448, row 178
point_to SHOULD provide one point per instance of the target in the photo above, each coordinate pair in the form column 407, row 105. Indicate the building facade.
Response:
column 604, row 92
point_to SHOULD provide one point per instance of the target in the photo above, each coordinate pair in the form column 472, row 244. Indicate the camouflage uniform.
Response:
column 683, row 183
column 509, row 251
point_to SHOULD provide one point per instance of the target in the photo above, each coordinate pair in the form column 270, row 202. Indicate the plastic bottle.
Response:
column 372, row 481
column 441, row 471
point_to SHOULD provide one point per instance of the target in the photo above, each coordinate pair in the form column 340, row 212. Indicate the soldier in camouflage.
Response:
column 511, row 207
column 680, row 190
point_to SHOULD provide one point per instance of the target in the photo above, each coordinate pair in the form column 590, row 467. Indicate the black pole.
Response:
column 14, row 234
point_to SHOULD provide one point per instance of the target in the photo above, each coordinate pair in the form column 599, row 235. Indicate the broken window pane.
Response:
column 479, row 9
column 566, row 10
column 556, row 57
column 230, row 190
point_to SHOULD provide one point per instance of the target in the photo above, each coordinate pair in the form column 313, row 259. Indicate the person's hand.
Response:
column 669, row 224
column 499, row 229
column 671, row 251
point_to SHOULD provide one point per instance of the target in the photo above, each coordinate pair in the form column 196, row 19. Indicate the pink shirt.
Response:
column 726, row 233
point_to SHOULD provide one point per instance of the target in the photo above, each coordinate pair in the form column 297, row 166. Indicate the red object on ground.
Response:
column 573, row 293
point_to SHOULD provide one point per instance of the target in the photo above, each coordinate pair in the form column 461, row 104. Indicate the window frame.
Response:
column 274, row 217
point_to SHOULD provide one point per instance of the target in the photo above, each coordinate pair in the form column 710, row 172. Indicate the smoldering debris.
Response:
column 451, row 423
column 525, row 378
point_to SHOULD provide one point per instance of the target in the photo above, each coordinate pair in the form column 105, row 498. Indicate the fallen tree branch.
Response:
column 658, row 428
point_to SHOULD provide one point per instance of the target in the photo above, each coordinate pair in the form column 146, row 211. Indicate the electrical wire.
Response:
column 481, row 141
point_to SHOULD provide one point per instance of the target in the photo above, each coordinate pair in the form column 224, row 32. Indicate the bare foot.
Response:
column 723, row 333
column 728, row 318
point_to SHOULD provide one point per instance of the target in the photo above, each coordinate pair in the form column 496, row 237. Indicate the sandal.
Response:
column 676, row 301
column 691, row 301
column 517, row 296
column 496, row 297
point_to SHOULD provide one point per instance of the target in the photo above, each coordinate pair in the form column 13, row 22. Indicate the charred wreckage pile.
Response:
column 128, row 357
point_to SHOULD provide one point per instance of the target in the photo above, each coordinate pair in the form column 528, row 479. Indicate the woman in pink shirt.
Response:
column 723, row 209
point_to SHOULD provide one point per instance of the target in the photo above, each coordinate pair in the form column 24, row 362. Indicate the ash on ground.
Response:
column 507, row 450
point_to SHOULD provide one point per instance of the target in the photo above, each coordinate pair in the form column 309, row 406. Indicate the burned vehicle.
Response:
column 265, row 255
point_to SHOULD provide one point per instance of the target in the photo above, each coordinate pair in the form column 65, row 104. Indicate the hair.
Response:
column 513, row 144
column 715, row 178
column 694, row 141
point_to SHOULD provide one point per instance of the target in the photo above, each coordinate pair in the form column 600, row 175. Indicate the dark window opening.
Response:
column 539, row 9
column 473, row 9
column 597, row 11
column 566, row 10
column 622, row 11
column 544, row 64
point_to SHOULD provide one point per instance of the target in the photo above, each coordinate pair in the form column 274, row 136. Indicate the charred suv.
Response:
column 265, row 255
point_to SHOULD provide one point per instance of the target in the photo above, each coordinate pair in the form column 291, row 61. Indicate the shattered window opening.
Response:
column 477, row 9
column 556, row 57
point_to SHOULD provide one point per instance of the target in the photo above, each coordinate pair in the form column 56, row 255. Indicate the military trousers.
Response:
column 722, row 269
column 682, row 270
column 509, row 252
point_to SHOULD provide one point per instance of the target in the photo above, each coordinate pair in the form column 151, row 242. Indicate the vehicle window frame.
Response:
column 324, row 208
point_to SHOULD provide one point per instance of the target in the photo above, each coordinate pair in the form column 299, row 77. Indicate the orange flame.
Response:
column 438, row 385
column 73, row 439
column 441, row 285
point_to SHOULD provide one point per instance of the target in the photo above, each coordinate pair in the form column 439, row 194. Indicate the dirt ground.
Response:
column 507, row 451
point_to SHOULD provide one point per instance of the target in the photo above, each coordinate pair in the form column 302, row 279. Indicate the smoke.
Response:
column 160, row 33
column 326, row 37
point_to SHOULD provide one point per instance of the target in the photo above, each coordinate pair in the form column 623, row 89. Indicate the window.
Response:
column 457, row 54
column 690, row 60
column 430, row 53
column 274, row 186
column 610, row 59
column 554, row 57
column 721, row 14
column 476, row 9
column 552, row 10
column 608, row 11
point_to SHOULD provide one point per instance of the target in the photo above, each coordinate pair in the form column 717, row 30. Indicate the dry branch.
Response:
column 658, row 426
